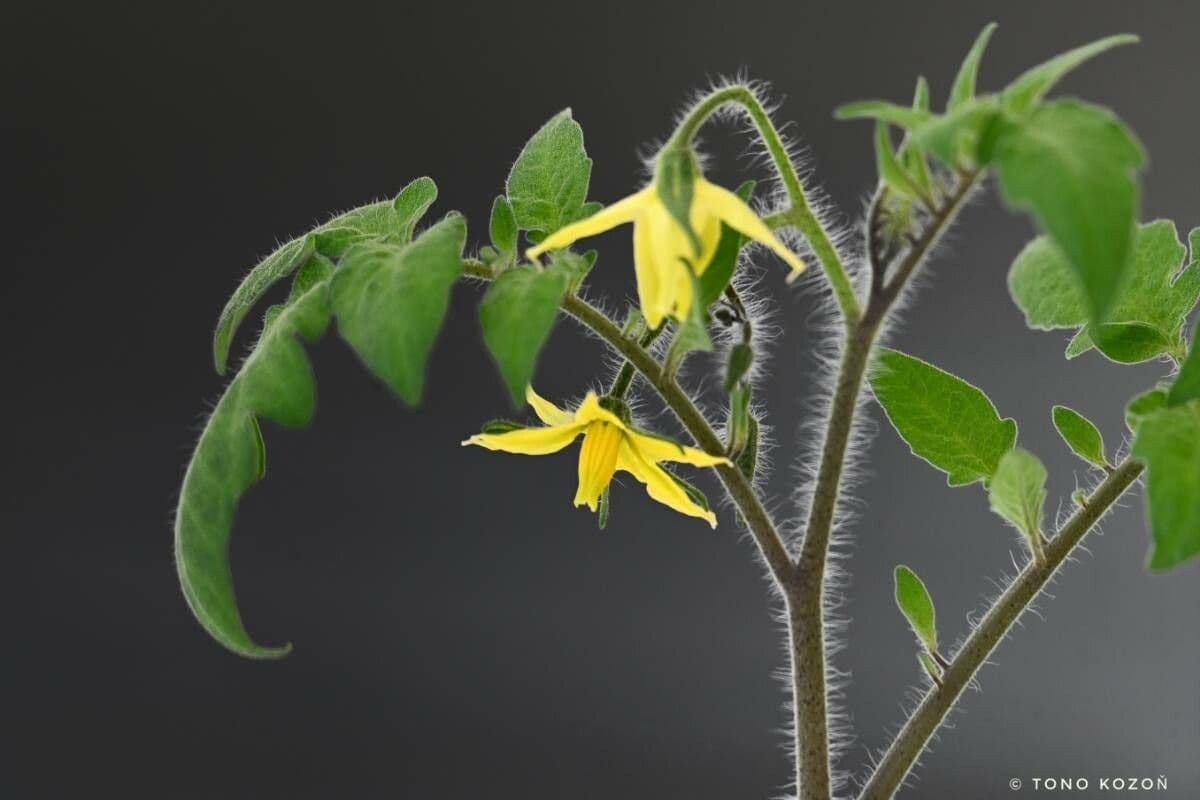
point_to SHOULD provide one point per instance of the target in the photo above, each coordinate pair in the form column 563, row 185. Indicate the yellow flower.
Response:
column 609, row 444
column 662, row 248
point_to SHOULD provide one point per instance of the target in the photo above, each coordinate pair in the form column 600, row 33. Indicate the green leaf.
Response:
column 1080, row 434
column 724, row 261
column 959, row 133
column 548, row 183
column 1023, row 94
column 517, row 314
column 1073, row 166
column 503, row 226
column 963, row 89
column 1187, row 384
column 917, row 607
column 1144, row 405
column 891, row 174
column 1018, row 491
column 390, row 299
column 1148, row 313
column 386, row 219
column 945, row 420
column 899, row 115
column 1168, row 441
column 275, row 382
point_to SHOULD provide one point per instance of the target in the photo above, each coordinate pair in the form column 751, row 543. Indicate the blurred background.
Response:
column 460, row 629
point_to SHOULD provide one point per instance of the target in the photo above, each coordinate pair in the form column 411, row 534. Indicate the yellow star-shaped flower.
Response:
column 662, row 250
column 609, row 444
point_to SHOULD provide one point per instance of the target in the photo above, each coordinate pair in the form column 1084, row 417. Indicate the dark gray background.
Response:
column 460, row 630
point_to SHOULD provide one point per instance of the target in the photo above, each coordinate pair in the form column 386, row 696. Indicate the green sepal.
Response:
column 720, row 269
column 698, row 497
column 739, row 418
column 602, row 508
column 496, row 427
column 891, row 174
column 963, row 89
column 691, row 332
column 618, row 407
column 390, row 300
column 516, row 316
column 1080, row 435
column 914, row 602
column 675, row 175
column 741, row 358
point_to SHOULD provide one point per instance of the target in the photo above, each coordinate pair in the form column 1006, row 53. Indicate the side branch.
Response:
column 740, row 490
column 908, row 745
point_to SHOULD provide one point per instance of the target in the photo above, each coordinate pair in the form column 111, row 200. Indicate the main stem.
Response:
column 907, row 746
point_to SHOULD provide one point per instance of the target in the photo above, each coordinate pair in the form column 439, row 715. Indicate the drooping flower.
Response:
column 663, row 250
column 609, row 444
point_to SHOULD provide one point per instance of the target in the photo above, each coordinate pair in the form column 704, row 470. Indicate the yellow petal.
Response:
column 644, row 266
column 590, row 410
column 669, row 252
column 739, row 216
column 661, row 486
column 618, row 213
column 546, row 411
column 708, row 227
column 655, row 449
column 529, row 441
column 597, row 462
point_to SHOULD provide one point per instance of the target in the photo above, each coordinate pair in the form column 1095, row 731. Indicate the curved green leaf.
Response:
column 902, row 116
column 390, row 299
column 1143, row 405
column 276, row 383
column 963, row 89
column 1187, row 384
column 1080, row 434
column 945, row 420
column 917, row 607
column 1023, row 94
column 548, row 182
column 1168, row 441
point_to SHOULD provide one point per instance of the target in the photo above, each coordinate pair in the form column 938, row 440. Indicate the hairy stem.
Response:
column 805, row 593
column 889, row 774
column 800, row 214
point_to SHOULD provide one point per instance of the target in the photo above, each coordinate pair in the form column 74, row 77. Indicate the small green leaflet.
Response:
column 503, row 227
column 1143, row 405
column 721, row 267
column 1148, row 313
column 963, row 90
column 945, row 420
column 276, row 383
column 1168, row 441
column 1187, row 384
column 917, row 607
column 901, row 116
column 1018, row 491
column 1072, row 165
column 390, row 299
column 1023, row 94
column 891, row 174
column 548, row 183
column 517, row 314
column 1081, row 435
column 385, row 219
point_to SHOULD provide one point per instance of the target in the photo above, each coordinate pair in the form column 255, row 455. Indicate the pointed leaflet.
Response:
column 390, row 298
column 945, row 420
column 1023, row 94
column 1148, row 312
column 1187, row 384
column 1080, row 434
column 891, row 174
column 274, row 383
column 548, row 183
column 963, row 89
column 914, row 602
column 517, row 314
column 1168, row 441
column 1072, row 165
column 503, row 226
column 1143, row 405
column 1018, row 491
column 386, row 218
